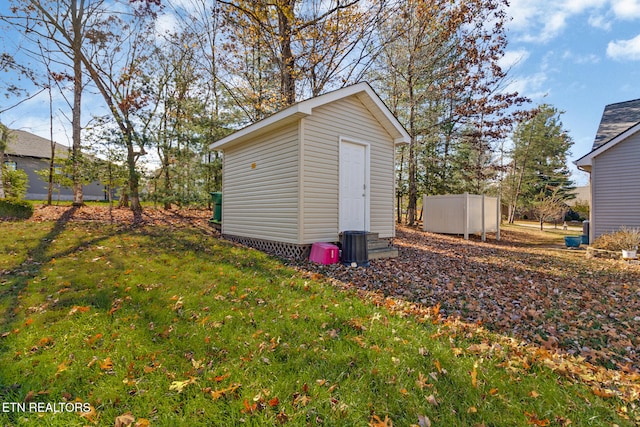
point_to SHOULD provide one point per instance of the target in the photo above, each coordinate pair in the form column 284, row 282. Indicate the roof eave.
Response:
column 586, row 161
column 305, row 108
column 289, row 115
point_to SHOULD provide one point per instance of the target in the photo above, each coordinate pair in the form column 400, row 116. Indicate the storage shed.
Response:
column 312, row 171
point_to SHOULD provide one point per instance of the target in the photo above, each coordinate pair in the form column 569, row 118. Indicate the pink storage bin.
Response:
column 324, row 253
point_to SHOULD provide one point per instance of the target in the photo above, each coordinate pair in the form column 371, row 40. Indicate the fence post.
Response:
column 466, row 216
column 498, row 217
column 484, row 233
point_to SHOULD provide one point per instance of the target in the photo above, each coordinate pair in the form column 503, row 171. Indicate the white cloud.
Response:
column 575, row 7
column 581, row 59
column 167, row 23
column 624, row 49
column 626, row 9
column 532, row 85
column 513, row 58
column 600, row 21
column 554, row 25
column 544, row 20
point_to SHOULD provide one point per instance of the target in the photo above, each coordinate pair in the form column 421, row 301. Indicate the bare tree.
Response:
column 312, row 44
column 63, row 26
column 110, row 45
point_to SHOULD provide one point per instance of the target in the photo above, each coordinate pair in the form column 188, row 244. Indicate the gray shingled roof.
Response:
column 616, row 119
column 26, row 144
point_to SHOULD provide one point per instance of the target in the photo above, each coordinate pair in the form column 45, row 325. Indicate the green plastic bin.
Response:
column 216, row 198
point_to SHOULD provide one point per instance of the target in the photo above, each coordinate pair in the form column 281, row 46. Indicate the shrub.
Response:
column 625, row 238
column 15, row 183
column 10, row 208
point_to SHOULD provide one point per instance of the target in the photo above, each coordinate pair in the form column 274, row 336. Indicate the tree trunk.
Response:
column 134, row 180
column 4, row 139
column 399, row 193
column 287, row 79
column 53, row 147
column 413, row 185
column 78, row 198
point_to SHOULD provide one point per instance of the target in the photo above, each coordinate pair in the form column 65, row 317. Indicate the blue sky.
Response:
column 577, row 55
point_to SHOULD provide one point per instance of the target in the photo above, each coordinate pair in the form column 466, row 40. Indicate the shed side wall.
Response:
column 615, row 189
column 346, row 118
column 260, row 188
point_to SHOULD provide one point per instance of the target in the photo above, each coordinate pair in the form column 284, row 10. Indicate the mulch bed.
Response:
column 543, row 295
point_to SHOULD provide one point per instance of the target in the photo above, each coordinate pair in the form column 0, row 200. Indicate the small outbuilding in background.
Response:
column 312, row 171
column 462, row 214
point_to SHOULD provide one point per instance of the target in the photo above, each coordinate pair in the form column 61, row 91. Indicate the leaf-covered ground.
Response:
column 542, row 294
column 526, row 285
column 176, row 218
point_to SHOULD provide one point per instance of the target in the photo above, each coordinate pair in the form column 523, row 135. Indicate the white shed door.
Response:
column 354, row 201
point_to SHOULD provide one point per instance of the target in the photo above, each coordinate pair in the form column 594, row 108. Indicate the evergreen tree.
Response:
column 538, row 161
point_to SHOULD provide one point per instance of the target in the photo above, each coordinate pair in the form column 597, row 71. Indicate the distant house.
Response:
column 614, row 166
column 312, row 171
column 31, row 153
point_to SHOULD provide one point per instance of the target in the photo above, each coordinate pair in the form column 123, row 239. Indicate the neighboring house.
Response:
column 31, row 153
column 583, row 195
column 312, row 171
column 614, row 166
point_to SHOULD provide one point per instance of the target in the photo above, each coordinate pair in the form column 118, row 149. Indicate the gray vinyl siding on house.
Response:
column 260, row 191
column 347, row 118
column 615, row 190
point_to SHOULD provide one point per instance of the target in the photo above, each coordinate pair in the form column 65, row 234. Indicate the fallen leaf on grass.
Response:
column 124, row 420
column 274, row 402
column 106, row 364
column 424, row 421
column 45, row 342
column 78, row 309
column 249, row 408
column 301, row 400
column 217, row 394
column 603, row 392
column 377, row 422
column 91, row 415
column 474, row 375
column 535, row 421
column 93, row 339
column 181, row 385
column 63, row 366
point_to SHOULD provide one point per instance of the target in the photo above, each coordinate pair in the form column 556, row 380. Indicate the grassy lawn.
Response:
column 169, row 326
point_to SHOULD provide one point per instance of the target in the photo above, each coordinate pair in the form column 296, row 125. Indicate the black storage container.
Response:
column 354, row 248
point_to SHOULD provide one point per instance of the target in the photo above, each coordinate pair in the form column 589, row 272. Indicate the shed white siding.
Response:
column 260, row 187
column 321, row 132
column 614, row 186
